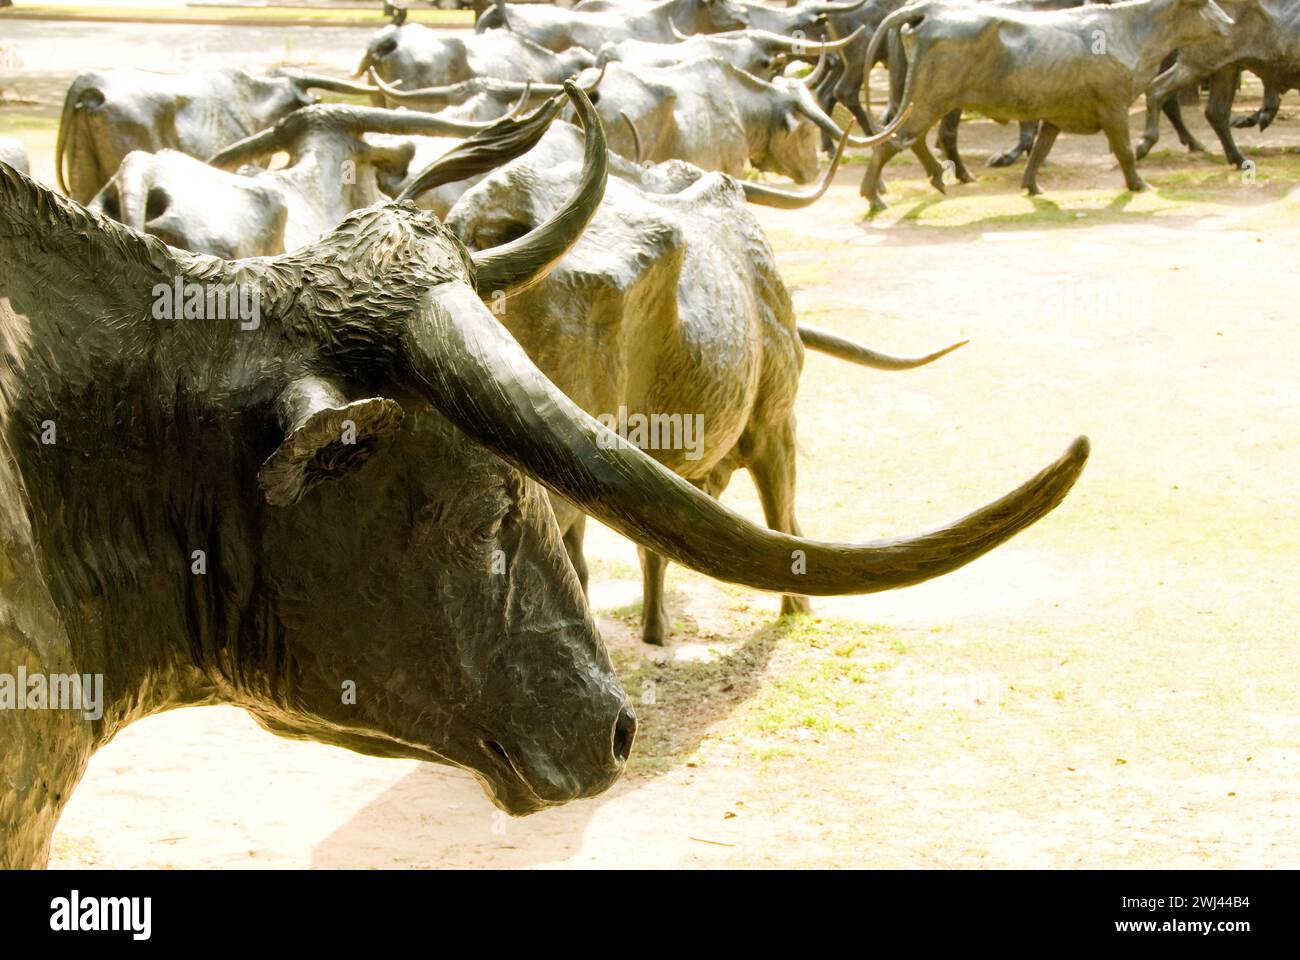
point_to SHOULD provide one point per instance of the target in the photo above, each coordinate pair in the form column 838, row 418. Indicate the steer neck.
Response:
column 43, row 753
column 46, row 745
column 124, row 670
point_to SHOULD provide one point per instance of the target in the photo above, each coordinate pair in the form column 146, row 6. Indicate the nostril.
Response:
column 624, row 733
column 500, row 751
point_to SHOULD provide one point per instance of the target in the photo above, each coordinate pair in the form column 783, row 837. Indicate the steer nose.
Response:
column 624, row 733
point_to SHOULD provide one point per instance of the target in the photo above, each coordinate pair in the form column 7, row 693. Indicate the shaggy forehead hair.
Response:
column 369, row 274
column 379, row 260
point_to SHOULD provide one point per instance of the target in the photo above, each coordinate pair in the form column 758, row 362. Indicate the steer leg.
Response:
column 573, row 538
column 948, row 144
column 1271, row 105
column 1116, row 129
column 827, row 95
column 772, row 465
column 1188, row 139
column 1028, row 130
column 1218, row 111
column 654, row 609
column 1042, row 147
column 846, row 78
column 1159, row 93
column 911, row 133
column 933, row 168
column 881, row 154
column 1267, row 110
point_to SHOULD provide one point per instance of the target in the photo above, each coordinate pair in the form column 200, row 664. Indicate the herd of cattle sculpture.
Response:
column 382, row 477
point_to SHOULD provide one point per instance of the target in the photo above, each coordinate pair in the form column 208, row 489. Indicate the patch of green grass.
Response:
column 628, row 611
column 27, row 123
column 823, row 665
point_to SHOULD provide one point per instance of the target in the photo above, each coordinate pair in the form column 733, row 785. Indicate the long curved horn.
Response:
column 450, row 93
column 61, row 140
column 832, row 8
column 636, row 137
column 783, row 199
column 250, row 148
column 519, row 105
column 908, row 14
column 818, row 72
column 842, row 348
column 517, row 265
column 318, row 82
column 413, row 123
column 459, row 92
column 471, row 370
column 501, row 142
column 360, row 119
column 806, row 48
column 810, row 108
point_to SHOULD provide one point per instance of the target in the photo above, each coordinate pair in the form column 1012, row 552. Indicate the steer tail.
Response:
column 636, row 137
column 65, row 132
column 823, row 341
column 905, row 16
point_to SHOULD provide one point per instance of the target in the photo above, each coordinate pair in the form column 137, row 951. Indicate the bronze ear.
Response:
column 326, row 437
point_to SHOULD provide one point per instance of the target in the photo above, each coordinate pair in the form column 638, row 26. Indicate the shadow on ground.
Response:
column 443, row 818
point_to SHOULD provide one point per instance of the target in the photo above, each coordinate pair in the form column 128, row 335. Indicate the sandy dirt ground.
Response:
column 1114, row 688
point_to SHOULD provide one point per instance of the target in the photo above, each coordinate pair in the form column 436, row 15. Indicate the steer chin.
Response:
column 517, row 797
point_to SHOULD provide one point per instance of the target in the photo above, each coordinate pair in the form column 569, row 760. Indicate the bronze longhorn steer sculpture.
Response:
column 109, row 113
column 1075, row 70
column 184, row 513
column 1265, row 39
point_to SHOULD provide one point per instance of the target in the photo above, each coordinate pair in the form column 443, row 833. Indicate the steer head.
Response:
column 421, row 607
column 793, row 122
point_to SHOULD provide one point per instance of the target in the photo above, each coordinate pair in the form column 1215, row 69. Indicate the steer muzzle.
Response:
column 540, row 763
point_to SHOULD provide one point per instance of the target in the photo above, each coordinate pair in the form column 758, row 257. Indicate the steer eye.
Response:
column 489, row 531
column 385, row 48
